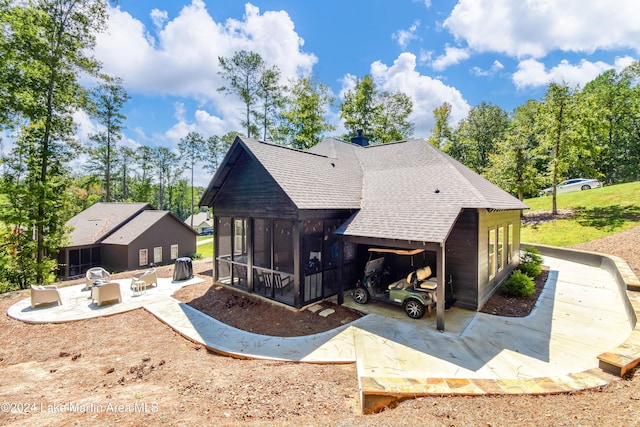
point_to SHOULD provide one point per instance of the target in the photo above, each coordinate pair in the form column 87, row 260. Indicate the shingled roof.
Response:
column 100, row 220
column 407, row 190
column 413, row 191
column 138, row 225
column 311, row 181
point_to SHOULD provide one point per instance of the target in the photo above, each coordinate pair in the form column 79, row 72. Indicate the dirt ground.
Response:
column 132, row 369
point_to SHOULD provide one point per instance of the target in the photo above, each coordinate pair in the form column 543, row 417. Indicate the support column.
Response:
column 249, row 233
column 440, row 292
column 216, row 247
column 340, row 267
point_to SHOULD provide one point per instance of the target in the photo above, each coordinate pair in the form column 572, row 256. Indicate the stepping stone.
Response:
column 328, row 311
column 315, row 308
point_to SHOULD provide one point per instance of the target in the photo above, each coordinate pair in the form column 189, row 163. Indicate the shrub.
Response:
column 519, row 284
column 531, row 262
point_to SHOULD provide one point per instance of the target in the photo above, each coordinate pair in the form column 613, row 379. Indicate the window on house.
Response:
column 174, row 251
column 492, row 253
column 500, row 247
column 143, row 257
column 509, row 243
column 157, row 255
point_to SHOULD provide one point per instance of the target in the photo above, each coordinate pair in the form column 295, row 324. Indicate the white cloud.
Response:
column 536, row 27
column 348, row 83
column 159, row 17
column 533, row 73
column 182, row 58
column 452, row 56
column 495, row 67
column 403, row 37
column 426, row 93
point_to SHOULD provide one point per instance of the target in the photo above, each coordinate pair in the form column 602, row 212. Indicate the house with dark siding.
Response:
column 295, row 226
column 124, row 236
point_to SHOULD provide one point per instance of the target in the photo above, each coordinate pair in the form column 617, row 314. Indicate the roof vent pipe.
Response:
column 360, row 140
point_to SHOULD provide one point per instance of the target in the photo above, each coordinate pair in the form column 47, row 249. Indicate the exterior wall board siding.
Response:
column 462, row 259
column 250, row 191
column 487, row 221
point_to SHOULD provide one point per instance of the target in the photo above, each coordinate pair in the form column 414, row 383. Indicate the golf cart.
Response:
column 414, row 288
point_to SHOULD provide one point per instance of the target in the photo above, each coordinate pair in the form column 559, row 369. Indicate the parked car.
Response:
column 207, row 232
column 570, row 185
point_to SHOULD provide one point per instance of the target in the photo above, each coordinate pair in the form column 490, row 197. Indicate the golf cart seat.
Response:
column 422, row 280
column 399, row 285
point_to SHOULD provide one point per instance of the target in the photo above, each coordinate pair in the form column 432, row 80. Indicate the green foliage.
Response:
column 191, row 151
column 304, row 123
column 271, row 94
column 441, row 133
column 382, row 117
column 107, row 101
column 245, row 72
column 531, row 262
column 46, row 47
column 476, row 136
column 519, row 284
column 515, row 162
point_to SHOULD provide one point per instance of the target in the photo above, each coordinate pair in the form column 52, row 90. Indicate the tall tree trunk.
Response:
column 556, row 158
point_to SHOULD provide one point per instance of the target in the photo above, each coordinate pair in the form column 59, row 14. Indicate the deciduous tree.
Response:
column 304, row 122
column 46, row 47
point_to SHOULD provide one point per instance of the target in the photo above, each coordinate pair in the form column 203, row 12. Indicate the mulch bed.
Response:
column 502, row 303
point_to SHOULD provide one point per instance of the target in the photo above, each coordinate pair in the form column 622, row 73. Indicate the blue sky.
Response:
column 463, row 52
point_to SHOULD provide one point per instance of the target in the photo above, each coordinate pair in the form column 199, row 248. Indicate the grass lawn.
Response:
column 598, row 212
column 204, row 246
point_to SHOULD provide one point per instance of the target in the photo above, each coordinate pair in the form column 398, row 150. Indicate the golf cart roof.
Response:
column 397, row 251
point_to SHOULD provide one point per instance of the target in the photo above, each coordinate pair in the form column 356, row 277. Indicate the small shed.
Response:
column 124, row 236
column 295, row 226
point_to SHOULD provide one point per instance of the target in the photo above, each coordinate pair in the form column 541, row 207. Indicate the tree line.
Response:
column 591, row 132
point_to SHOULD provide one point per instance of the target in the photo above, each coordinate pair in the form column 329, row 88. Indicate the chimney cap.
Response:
column 360, row 139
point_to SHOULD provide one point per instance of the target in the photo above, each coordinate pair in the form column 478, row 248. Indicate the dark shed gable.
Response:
column 249, row 190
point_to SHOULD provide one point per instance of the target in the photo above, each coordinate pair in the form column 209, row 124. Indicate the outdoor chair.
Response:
column 149, row 277
column 44, row 295
column 106, row 292
column 95, row 275
column 281, row 283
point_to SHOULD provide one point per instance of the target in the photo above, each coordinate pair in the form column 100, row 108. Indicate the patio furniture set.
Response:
column 97, row 280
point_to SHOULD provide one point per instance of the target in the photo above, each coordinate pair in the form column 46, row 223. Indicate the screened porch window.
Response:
column 283, row 262
column 223, row 257
column 262, row 243
column 232, row 248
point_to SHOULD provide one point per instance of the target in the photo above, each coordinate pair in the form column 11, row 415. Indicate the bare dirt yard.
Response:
column 134, row 370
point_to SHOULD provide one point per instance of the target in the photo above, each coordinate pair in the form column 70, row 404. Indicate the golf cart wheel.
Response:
column 360, row 295
column 585, row 187
column 414, row 309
